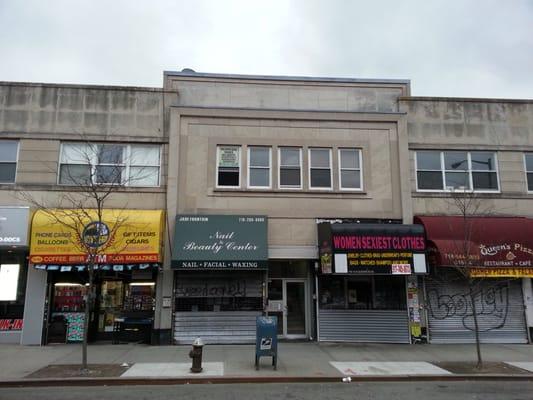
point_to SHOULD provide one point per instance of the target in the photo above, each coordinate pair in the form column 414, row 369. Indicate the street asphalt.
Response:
column 479, row 390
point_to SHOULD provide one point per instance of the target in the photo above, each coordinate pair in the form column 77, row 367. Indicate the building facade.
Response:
column 328, row 203
column 58, row 141
column 294, row 152
column 470, row 182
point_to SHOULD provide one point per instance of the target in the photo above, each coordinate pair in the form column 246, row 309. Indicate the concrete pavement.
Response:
column 296, row 359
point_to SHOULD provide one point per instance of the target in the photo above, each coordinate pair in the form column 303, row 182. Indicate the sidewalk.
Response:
column 301, row 361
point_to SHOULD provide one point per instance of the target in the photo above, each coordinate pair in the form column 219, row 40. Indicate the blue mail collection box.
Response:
column 266, row 339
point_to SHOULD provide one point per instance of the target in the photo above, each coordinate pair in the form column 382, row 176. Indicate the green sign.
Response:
column 220, row 242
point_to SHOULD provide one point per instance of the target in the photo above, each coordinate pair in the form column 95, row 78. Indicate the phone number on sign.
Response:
column 251, row 219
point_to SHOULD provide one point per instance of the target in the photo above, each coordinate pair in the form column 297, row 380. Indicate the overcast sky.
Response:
column 466, row 48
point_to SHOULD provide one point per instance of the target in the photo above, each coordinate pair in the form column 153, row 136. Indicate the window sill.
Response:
column 481, row 195
column 289, row 192
column 53, row 187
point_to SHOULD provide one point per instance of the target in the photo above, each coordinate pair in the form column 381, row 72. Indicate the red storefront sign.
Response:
column 7, row 324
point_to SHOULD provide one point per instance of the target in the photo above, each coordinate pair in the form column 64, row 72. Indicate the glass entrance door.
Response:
column 295, row 308
column 287, row 301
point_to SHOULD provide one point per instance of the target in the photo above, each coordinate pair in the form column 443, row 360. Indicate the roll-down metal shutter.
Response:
column 385, row 326
column 203, row 298
column 499, row 307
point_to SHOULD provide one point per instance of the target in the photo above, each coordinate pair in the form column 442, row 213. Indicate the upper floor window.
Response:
column 8, row 160
column 528, row 159
column 290, row 167
column 350, row 169
column 320, row 168
column 259, row 159
column 450, row 170
column 109, row 164
column 228, row 166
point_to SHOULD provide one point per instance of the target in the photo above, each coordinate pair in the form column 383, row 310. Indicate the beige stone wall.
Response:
column 456, row 123
column 292, row 213
column 120, row 112
column 502, row 126
column 279, row 93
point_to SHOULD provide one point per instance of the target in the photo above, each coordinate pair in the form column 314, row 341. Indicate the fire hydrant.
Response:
column 196, row 355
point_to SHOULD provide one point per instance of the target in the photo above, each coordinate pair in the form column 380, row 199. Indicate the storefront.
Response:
column 367, row 287
column 125, row 272
column 498, row 251
column 13, row 271
column 220, row 264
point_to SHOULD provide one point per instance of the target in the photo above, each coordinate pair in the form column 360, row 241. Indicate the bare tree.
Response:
column 94, row 173
column 467, row 206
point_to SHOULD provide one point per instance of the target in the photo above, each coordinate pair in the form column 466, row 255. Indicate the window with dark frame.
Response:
column 290, row 167
column 109, row 164
column 451, row 170
column 350, row 169
column 259, row 167
column 228, row 166
column 528, row 160
column 8, row 160
column 320, row 168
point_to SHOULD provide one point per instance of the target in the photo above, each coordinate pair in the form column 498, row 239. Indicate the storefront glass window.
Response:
column 13, row 273
column 389, row 293
column 359, row 293
column 362, row 293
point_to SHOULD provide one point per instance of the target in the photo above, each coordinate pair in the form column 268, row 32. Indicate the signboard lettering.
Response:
column 220, row 241
column 123, row 236
column 14, row 226
column 8, row 324
column 369, row 248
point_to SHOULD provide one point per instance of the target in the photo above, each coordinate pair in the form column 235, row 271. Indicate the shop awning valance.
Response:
column 128, row 237
column 98, row 267
column 480, row 242
column 220, row 242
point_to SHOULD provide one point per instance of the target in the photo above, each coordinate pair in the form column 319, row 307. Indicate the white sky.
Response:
column 468, row 48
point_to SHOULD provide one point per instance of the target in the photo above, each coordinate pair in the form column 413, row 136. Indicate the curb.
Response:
column 252, row 379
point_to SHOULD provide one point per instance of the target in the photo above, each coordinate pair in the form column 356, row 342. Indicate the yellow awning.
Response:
column 127, row 236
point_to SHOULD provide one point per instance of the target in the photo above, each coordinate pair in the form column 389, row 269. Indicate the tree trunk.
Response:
column 88, row 302
column 479, row 364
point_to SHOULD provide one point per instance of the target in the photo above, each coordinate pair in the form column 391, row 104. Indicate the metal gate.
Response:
column 218, row 306
column 499, row 309
column 385, row 326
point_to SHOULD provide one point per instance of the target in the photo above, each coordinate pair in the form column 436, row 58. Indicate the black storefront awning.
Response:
column 98, row 267
column 371, row 248
column 206, row 242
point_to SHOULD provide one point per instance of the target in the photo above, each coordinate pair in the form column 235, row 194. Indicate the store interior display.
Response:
column 69, row 304
column 139, row 296
column 68, row 297
column 116, row 300
column 111, row 304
